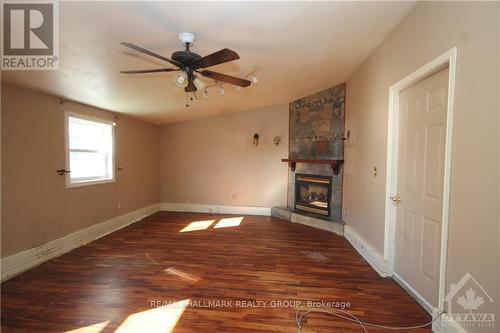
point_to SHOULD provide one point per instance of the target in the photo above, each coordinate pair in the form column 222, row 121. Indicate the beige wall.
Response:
column 498, row 143
column 36, row 205
column 430, row 30
column 208, row 160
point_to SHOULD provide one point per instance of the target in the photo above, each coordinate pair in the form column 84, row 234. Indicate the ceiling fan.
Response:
column 190, row 63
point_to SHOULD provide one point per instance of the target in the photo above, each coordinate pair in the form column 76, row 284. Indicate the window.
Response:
column 89, row 150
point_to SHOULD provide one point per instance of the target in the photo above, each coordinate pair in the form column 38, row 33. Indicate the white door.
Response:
column 422, row 135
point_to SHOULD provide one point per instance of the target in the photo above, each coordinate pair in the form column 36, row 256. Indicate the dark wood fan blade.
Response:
column 216, row 58
column 139, row 71
column 190, row 87
column 143, row 50
column 226, row 78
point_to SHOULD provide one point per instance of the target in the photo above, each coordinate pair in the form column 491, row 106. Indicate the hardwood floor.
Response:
column 109, row 285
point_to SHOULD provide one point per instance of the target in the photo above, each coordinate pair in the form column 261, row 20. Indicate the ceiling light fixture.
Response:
column 254, row 79
column 189, row 64
column 182, row 79
column 199, row 84
column 186, row 38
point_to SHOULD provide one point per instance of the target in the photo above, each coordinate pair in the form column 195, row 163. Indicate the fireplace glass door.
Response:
column 313, row 193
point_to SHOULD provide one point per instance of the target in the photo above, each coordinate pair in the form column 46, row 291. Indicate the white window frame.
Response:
column 92, row 181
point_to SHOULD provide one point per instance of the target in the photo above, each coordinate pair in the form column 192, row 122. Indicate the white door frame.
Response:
column 449, row 59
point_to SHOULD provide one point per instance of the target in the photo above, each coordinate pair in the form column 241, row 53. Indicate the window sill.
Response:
column 89, row 182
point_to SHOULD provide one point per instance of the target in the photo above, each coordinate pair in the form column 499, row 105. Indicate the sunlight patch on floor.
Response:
column 157, row 320
column 229, row 222
column 96, row 328
column 197, row 225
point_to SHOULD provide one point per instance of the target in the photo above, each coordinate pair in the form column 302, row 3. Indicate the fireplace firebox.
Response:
column 313, row 193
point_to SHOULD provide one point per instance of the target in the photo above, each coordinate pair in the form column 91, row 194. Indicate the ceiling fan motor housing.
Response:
column 185, row 57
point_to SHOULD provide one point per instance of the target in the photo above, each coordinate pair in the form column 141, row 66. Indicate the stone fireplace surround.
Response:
column 316, row 132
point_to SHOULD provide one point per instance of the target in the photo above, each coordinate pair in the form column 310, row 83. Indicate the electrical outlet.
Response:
column 119, row 205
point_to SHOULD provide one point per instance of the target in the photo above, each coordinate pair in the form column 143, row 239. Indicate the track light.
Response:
column 182, row 79
column 199, row 84
column 205, row 93
column 254, row 79
column 222, row 90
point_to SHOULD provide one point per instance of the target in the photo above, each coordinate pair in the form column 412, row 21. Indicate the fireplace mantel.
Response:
column 335, row 164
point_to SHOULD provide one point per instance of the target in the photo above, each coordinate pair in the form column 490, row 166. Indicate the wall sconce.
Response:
column 256, row 139
column 277, row 140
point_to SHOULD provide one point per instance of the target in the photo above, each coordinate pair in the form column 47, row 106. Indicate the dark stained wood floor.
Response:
column 95, row 288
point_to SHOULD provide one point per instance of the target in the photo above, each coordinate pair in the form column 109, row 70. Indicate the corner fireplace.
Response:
column 313, row 193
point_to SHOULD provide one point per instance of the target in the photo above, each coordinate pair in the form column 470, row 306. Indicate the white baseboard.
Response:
column 442, row 324
column 447, row 325
column 416, row 295
column 22, row 261
column 201, row 208
column 373, row 257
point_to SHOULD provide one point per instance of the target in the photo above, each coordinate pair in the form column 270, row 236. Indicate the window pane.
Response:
column 89, row 165
column 90, row 150
column 89, row 135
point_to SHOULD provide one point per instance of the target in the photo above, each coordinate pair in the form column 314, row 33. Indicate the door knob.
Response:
column 396, row 199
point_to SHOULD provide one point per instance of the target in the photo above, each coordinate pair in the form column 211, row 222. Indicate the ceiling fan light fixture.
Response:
column 199, row 84
column 254, row 79
column 182, row 79
column 186, row 38
column 187, row 63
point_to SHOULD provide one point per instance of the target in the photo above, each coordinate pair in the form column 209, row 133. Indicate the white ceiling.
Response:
column 297, row 48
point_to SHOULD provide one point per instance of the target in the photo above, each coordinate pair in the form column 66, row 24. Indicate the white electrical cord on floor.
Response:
column 350, row 317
